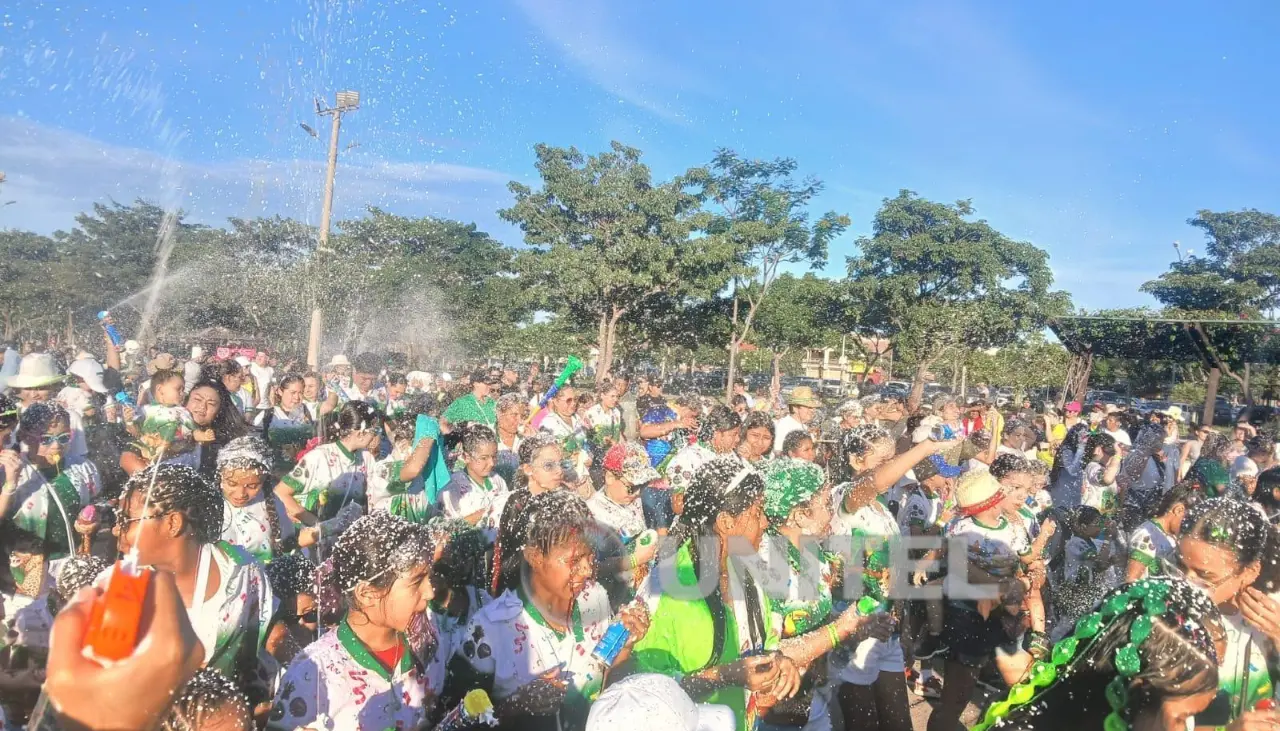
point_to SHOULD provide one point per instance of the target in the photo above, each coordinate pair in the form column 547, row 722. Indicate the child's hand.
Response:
column 203, row 436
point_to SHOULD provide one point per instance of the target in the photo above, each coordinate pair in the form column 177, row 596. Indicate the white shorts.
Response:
column 872, row 657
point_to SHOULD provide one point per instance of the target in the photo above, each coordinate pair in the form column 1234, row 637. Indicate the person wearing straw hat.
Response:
column 802, row 406
column 37, row 379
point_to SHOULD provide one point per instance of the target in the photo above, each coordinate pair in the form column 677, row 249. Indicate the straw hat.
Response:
column 803, row 396
column 339, row 360
column 37, row 370
column 978, row 491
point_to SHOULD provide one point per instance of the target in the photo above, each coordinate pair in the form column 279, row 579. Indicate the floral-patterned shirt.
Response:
column 255, row 529
column 1149, row 544
column 873, row 529
column 681, row 468
column 337, row 677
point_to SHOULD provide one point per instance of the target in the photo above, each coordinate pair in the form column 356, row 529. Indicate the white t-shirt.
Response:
column 918, row 509
column 1120, row 435
column 782, row 428
column 1244, row 467
column 995, row 548
column 1095, row 494
column 262, row 380
column 515, row 648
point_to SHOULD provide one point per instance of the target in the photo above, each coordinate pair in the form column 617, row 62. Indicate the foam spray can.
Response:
column 116, row 338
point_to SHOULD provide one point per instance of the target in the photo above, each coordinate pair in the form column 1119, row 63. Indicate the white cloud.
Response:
column 607, row 55
column 53, row 174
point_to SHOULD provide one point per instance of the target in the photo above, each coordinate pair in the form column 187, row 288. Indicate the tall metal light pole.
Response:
column 347, row 101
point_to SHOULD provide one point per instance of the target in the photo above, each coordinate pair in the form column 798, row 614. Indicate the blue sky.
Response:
column 1092, row 129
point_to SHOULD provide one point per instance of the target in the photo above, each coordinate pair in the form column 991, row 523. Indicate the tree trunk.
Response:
column 917, row 387
column 1210, row 395
column 666, row 351
column 602, row 343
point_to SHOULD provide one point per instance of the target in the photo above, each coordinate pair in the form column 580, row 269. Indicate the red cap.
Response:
column 1073, row 406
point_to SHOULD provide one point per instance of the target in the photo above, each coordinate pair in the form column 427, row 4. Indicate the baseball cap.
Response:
column 90, row 371
column 630, row 461
column 1073, row 407
column 651, row 702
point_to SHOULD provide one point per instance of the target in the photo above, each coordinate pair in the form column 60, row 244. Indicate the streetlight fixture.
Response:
column 347, row 101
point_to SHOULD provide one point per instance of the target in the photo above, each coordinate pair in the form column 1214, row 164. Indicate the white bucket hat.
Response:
column 339, row 360
column 651, row 702
column 90, row 371
column 37, row 370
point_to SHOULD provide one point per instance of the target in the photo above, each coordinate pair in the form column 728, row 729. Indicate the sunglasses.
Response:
column 547, row 465
column 63, row 439
column 126, row 522
column 308, row 617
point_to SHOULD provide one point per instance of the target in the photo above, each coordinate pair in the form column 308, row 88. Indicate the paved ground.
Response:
column 920, row 710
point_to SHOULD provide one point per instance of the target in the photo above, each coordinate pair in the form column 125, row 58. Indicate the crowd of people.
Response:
column 369, row 546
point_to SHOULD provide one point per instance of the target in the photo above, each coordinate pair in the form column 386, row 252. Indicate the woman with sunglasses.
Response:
column 172, row 517
column 541, row 471
column 254, row 519
column 1223, row 548
column 41, row 498
column 536, row 638
column 333, row 475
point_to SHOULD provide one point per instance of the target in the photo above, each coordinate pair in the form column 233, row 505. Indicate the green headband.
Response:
column 789, row 482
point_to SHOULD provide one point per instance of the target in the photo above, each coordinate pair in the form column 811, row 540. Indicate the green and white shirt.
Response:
column 1243, row 677
column 874, row 530
column 1149, row 545
column 463, row 496
column 254, row 529
column 387, row 491
column 233, row 624
column 337, row 677
column 326, row 477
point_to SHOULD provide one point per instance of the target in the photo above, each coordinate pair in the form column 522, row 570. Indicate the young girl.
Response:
column 252, row 518
column 333, row 474
column 288, row 425
column 315, row 399
column 798, row 445
column 473, row 491
column 209, row 701
column 173, row 517
column 396, row 481
column 42, row 498
column 365, row 674
column 396, row 387
column 720, row 642
column 871, row 692
column 538, row 635
column 1102, row 465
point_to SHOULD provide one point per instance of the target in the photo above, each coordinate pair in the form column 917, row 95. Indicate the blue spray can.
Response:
column 116, row 338
column 611, row 644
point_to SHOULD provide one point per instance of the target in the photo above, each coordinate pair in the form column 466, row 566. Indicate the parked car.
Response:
column 1257, row 415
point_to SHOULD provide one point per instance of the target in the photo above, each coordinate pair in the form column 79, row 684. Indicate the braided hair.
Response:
column 721, row 486
column 1177, row 659
column 529, row 448
column 174, row 488
column 208, row 695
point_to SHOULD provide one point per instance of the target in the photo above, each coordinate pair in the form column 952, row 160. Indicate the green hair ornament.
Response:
column 1153, row 595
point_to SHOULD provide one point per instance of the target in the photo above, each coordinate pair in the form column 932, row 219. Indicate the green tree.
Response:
column 797, row 315
column 763, row 215
column 932, row 279
column 26, row 289
column 604, row 238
